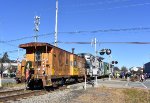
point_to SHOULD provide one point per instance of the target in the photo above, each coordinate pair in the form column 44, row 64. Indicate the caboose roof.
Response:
column 34, row 44
column 40, row 44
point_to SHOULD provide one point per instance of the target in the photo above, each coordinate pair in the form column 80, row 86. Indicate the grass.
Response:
column 105, row 94
column 9, row 85
column 137, row 95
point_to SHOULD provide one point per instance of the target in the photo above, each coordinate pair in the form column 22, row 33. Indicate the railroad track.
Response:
column 2, row 93
column 15, row 95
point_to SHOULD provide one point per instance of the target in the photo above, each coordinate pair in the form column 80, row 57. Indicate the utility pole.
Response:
column 36, row 29
column 110, row 71
column 95, row 69
column 95, row 42
column 56, row 25
column 95, row 46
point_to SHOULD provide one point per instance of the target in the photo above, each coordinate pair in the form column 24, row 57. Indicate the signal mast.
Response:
column 56, row 25
column 36, row 29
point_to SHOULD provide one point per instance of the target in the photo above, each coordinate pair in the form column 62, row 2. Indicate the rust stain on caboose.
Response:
column 48, row 63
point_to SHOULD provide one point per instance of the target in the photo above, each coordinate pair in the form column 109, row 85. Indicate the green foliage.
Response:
column 9, row 84
column 5, row 58
column 124, row 69
column 116, row 69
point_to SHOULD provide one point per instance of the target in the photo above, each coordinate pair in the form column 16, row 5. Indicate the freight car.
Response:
column 146, row 68
column 106, row 70
column 47, row 65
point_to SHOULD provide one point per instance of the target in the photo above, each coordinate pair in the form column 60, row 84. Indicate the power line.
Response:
column 106, row 42
column 124, row 42
column 13, row 51
column 28, row 37
column 81, row 32
column 108, row 30
column 3, row 42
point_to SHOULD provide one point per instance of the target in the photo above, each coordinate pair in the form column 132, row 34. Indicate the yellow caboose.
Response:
column 47, row 65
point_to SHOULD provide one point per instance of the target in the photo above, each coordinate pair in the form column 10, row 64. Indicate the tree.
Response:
column 116, row 69
column 5, row 58
column 124, row 69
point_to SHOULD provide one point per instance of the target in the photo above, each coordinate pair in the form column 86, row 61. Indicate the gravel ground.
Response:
column 61, row 96
column 14, row 87
column 76, row 94
column 64, row 96
column 91, row 95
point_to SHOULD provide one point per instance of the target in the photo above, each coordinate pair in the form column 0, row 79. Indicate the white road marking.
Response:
column 143, row 85
column 127, row 84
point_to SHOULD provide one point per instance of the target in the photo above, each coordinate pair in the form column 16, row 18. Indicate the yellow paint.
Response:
column 71, row 70
column 53, row 71
column 30, row 57
column 75, row 71
column 71, row 65
column 23, row 71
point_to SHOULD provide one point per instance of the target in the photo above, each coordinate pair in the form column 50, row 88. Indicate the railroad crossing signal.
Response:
column 114, row 62
column 107, row 51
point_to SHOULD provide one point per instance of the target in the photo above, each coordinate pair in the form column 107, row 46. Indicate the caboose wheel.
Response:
column 38, row 84
column 63, row 80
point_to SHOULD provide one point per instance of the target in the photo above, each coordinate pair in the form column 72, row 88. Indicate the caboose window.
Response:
column 38, row 56
column 75, row 63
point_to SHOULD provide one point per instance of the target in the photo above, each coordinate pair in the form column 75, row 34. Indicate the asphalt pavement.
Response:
column 118, row 83
column 147, row 83
column 8, row 80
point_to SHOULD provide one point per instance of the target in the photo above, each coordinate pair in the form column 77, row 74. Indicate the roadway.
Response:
column 125, row 84
column 144, row 84
column 109, row 83
column 147, row 83
column 8, row 80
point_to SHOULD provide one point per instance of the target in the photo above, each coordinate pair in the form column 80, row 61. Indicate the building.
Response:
column 9, row 69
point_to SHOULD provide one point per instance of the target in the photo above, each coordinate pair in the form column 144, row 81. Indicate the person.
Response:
column 141, row 77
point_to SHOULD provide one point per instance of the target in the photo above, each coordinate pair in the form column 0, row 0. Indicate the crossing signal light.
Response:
column 114, row 62
column 108, row 51
column 102, row 52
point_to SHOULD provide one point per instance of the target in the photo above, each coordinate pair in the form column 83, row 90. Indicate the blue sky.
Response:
column 17, row 21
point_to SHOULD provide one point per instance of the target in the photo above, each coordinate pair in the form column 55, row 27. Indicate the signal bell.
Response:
column 108, row 51
column 102, row 52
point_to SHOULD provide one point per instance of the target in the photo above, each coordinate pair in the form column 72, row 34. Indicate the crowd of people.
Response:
column 144, row 76
column 124, row 75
